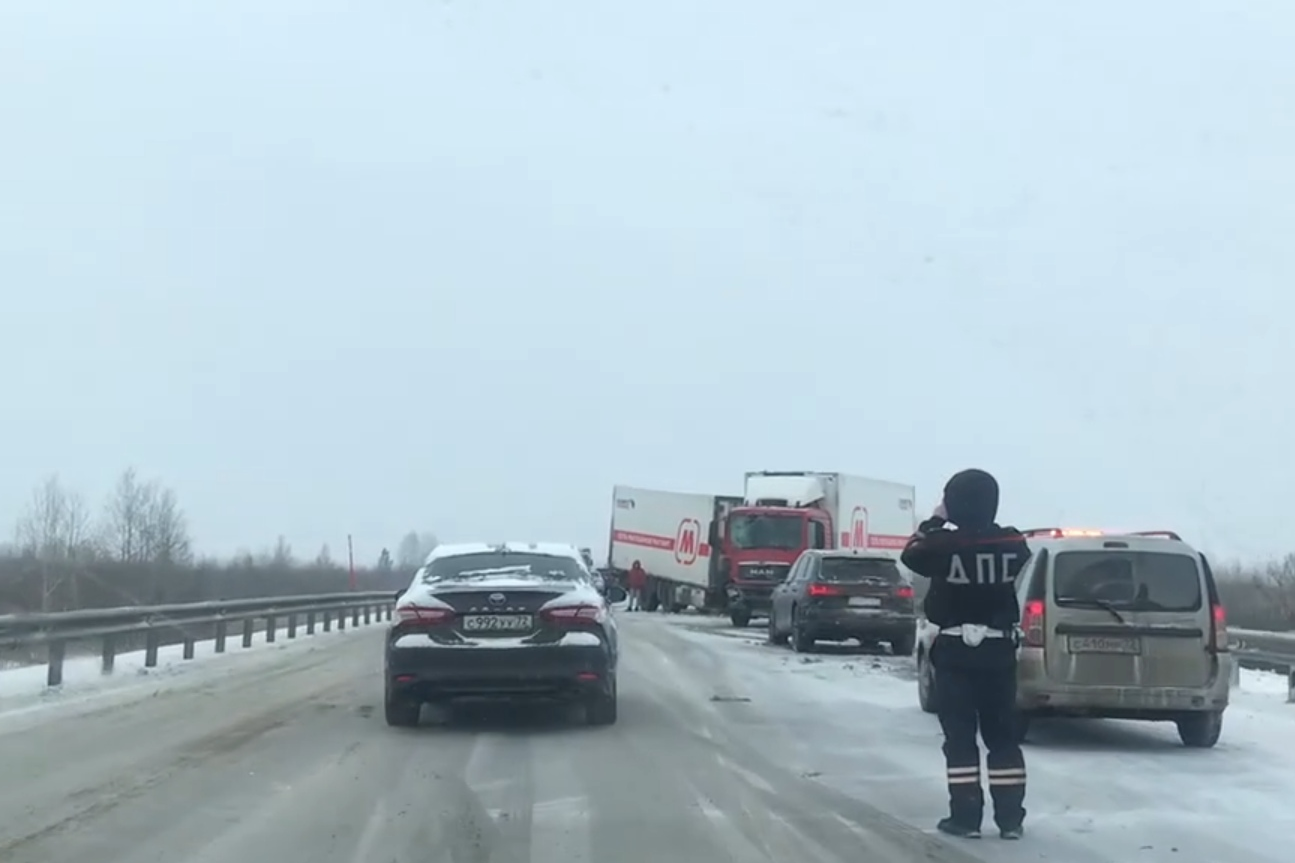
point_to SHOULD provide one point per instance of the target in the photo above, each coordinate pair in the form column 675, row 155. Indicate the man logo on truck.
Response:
column 859, row 528
column 686, row 540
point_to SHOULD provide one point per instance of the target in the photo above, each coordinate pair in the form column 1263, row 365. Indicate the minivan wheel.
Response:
column 926, row 694
column 1200, row 730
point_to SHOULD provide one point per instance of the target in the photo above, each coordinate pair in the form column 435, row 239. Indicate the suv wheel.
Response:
column 1200, row 730
column 401, row 713
column 801, row 640
column 600, row 709
column 903, row 645
column 776, row 637
column 926, row 694
column 740, row 619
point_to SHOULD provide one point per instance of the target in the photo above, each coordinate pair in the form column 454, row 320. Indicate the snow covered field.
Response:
column 1099, row 789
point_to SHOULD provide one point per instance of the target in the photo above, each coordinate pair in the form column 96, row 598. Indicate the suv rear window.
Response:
column 1133, row 580
column 844, row 569
column 484, row 564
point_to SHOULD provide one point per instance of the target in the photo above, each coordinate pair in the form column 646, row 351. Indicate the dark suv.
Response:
column 833, row 595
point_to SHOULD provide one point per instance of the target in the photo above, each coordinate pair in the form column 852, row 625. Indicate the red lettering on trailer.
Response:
column 686, row 541
column 859, row 527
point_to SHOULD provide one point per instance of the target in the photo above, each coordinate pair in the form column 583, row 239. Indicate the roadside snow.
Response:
column 1100, row 791
column 23, row 691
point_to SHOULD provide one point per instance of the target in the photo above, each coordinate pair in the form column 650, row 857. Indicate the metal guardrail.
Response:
column 109, row 626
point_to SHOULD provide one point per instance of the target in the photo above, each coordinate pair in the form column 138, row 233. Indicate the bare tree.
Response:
column 143, row 523
column 324, row 560
column 54, row 530
column 408, row 555
column 282, row 554
column 1277, row 586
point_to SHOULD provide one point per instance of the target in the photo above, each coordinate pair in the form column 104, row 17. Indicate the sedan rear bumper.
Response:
column 506, row 669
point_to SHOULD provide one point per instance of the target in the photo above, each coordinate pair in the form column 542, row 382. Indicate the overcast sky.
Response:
column 331, row 267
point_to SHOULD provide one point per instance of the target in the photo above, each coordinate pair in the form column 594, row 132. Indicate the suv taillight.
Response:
column 904, row 592
column 1218, row 627
column 1032, row 623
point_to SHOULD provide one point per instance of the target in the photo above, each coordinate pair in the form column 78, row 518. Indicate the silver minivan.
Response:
column 1119, row 626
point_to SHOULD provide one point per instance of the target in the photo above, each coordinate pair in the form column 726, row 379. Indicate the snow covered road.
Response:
column 727, row 750
column 1100, row 791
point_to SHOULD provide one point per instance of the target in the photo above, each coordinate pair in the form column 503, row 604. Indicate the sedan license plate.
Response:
column 497, row 622
column 865, row 602
column 1127, row 645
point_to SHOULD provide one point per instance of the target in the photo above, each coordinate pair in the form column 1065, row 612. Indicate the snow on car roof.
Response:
column 549, row 549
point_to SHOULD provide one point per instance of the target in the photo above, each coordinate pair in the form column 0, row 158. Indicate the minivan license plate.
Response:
column 865, row 602
column 496, row 622
column 1130, row 646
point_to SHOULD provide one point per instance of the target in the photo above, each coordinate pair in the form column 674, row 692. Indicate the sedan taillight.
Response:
column 418, row 615
column 573, row 615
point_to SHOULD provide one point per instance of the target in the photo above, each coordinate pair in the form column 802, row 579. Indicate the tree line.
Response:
column 136, row 548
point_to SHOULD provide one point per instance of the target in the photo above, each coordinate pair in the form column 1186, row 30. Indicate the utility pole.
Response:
column 350, row 554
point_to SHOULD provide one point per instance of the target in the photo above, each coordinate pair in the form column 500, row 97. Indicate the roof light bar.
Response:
column 1071, row 532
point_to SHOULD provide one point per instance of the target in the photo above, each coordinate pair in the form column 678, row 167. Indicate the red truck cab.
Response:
column 760, row 545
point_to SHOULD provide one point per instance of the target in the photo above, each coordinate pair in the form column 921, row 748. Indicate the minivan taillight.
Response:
column 1032, row 623
column 1218, row 627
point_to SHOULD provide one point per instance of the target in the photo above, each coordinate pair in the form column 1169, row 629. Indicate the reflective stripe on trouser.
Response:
column 1007, row 789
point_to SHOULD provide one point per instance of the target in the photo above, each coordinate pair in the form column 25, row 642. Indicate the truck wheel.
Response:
column 740, row 619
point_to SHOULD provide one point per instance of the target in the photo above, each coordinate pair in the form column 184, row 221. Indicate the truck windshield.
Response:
column 766, row 531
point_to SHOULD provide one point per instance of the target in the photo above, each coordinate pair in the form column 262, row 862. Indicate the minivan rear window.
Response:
column 1132, row 580
column 843, row 569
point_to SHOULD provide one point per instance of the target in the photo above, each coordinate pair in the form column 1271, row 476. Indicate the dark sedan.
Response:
column 834, row 595
column 513, row 621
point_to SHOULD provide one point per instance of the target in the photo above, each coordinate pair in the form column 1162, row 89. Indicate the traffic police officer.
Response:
column 972, row 599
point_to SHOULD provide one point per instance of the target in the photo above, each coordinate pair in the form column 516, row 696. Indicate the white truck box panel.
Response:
column 666, row 531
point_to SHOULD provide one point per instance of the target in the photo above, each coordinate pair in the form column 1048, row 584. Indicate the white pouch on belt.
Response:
column 973, row 634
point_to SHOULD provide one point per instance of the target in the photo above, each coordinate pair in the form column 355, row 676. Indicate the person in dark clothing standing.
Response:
column 972, row 599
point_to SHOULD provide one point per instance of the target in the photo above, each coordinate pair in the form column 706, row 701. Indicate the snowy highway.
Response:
column 726, row 750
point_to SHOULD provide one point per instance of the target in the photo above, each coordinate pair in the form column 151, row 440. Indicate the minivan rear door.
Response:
column 1123, row 617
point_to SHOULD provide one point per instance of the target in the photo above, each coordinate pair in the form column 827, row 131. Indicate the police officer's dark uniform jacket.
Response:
column 972, row 599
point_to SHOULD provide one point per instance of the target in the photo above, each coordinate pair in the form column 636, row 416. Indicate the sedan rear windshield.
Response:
column 487, row 564
column 1132, row 580
column 839, row 569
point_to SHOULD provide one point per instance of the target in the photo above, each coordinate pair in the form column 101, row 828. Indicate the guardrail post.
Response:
column 271, row 627
column 310, row 623
column 248, row 625
column 355, row 617
column 292, row 625
column 388, row 611
column 108, row 654
column 1234, row 675
column 188, row 645
column 150, row 648
column 1290, row 685
column 222, row 631
column 328, row 620
column 54, row 675
column 341, row 620
column 368, row 610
